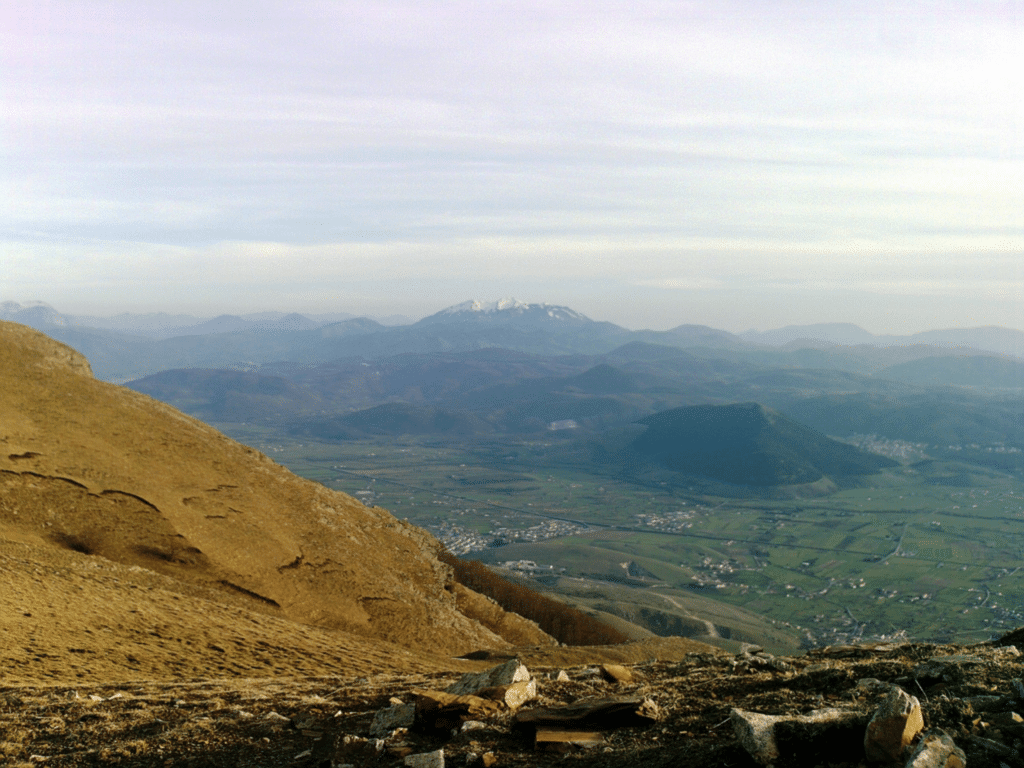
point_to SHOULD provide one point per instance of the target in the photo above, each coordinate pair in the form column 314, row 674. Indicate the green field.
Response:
column 930, row 551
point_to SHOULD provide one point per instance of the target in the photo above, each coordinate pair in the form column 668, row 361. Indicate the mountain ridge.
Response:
column 237, row 342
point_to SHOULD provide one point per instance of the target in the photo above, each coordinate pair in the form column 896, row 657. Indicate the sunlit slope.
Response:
column 69, row 618
column 99, row 469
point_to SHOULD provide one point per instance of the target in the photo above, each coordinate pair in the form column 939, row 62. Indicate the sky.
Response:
column 741, row 164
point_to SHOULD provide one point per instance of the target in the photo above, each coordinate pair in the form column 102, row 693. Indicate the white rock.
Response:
column 756, row 733
column 937, row 750
column 520, row 693
column 512, row 671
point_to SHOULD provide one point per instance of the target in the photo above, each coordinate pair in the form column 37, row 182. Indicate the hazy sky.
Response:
column 735, row 164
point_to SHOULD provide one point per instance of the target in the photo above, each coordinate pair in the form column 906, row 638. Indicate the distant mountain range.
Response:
column 991, row 338
column 162, row 325
column 126, row 347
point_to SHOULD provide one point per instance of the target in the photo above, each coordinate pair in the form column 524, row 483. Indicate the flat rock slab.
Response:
column 817, row 737
column 560, row 740
column 437, row 710
column 593, row 714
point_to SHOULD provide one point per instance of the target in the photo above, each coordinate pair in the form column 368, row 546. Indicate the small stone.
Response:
column 616, row 673
column 472, row 725
column 388, row 719
column 520, row 693
column 895, row 725
column 425, row 760
column 1006, row 719
column 986, row 703
column 873, row 685
column 937, row 750
column 562, row 677
column 351, row 746
column 276, row 718
column 488, row 759
column 992, row 748
column 821, row 666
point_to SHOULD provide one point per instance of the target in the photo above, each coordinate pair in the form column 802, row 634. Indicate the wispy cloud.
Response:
column 597, row 152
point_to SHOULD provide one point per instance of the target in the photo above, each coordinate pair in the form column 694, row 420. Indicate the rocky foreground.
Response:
column 913, row 704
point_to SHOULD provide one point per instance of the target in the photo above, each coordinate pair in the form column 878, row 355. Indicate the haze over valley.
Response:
column 841, row 485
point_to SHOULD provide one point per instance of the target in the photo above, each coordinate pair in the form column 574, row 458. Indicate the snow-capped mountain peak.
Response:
column 506, row 310
column 474, row 305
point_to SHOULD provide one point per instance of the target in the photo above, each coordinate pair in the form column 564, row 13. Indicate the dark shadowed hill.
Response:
column 226, row 395
column 747, row 444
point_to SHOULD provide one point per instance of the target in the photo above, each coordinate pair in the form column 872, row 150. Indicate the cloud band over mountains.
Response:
column 655, row 164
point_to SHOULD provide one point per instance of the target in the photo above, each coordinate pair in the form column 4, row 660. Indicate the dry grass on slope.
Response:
column 95, row 468
column 72, row 619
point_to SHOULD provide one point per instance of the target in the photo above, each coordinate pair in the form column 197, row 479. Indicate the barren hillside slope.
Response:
column 97, row 469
